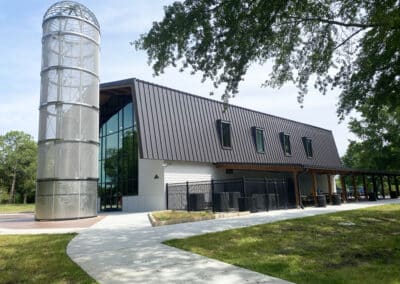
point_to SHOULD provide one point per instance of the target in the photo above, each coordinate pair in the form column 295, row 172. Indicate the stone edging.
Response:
column 156, row 223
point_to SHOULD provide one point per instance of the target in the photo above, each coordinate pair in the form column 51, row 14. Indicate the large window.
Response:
column 118, row 155
column 285, row 141
column 307, row 142
column 259, row 139
column 225, row 131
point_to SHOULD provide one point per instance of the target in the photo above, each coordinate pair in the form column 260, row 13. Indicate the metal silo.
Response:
column 69, row 114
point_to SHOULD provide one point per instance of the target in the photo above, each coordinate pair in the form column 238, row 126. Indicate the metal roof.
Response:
column 175, row 125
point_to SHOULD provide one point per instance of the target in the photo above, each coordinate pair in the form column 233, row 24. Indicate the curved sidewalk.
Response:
column 124, row 248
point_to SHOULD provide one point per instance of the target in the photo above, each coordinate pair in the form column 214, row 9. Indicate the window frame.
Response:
column 255, row 131
column 283, row 135
column 306, row 140
column 221, row 134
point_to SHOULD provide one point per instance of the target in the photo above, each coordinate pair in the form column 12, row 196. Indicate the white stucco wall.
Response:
column 151, row 194
column 177, row 171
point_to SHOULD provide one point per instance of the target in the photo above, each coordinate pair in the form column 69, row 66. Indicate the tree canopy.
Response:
column 353, row 45
column 18, row 158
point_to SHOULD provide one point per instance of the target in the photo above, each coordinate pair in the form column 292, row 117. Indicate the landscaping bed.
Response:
column 170, row 217
column 38, row 259
column 359, row 246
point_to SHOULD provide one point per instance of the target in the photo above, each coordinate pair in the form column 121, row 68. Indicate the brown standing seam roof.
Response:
column 175, row 125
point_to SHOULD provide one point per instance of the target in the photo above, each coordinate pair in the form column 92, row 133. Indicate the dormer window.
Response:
column 285, row 141
column 259, row 139
column 225, row 133
column 307, row 142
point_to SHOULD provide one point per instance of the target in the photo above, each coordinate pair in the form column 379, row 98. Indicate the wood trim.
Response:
column 344, row 190
column 329, row 188
column 355, row 191
column 365, row 186
column 314, row 187
column 267, row 168
column 296, row 188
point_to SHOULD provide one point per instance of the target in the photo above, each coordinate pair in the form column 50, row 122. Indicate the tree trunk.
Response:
column 12, row 192
column 25, row 197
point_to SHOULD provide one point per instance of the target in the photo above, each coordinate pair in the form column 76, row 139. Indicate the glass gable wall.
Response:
column 118, row 155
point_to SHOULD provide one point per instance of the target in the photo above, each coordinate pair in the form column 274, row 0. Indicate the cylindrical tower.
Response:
column 69, row 114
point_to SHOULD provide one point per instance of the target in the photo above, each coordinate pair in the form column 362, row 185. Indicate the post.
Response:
column 389, row 184
column 296, row 189
column 266, row 194
column 396, row 182
column 244, row 186
column 329, row 188
column 375, row 187
column 355, row 191
column 314, row 187
column 365, row 187
column 166, row 194
column 187, row 196
column 344, row 190
column 382, row 187
column 212, row 195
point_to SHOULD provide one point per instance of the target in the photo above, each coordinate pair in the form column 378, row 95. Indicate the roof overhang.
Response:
column 303, row 168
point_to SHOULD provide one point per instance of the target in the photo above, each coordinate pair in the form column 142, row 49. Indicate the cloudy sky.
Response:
column 122, row 21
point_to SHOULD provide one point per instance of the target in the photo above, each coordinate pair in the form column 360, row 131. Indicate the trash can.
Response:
column 247, row 204
column 321, row 201
column 233, row 200
column 372, row 196
column 336, row 199
column 221, row 201
column 260, row 202
column 196, row 201
column 273, row 201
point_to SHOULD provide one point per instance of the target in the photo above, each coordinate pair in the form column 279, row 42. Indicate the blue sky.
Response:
column 122, row 21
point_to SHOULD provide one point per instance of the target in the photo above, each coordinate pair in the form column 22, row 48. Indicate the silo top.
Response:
column 71, row 9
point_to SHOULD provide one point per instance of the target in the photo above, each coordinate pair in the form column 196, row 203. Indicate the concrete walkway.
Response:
column 124, row 248
column 24, row 223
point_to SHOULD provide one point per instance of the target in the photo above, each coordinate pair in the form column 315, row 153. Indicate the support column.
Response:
column 355, row 191
column 382, row 187
column 344, row 191
column 396, row 182
column 314, row 187
column 365, row 187
column 389, row 184
column 296, row 188
column 374, row 186
column 329, row 188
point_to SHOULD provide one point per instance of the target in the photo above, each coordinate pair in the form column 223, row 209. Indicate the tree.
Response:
column 18, row 156
column 353, row 45
column 378, row 144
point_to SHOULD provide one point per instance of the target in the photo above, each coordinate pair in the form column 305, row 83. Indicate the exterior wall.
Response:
column 177, row 171
column 305, row 184
column 151, row 195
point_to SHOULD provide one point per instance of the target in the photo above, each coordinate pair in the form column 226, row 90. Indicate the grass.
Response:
column 172, row 215
column 360, row 246
column 16, row 208
column 38, row 259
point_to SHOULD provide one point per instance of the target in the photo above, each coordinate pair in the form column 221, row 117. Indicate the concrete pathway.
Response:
column 124, row 248
column 24, row 223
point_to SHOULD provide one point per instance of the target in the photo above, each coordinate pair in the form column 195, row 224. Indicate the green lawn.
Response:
column 360, row 246
column 16, row 208
column 38, row 259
